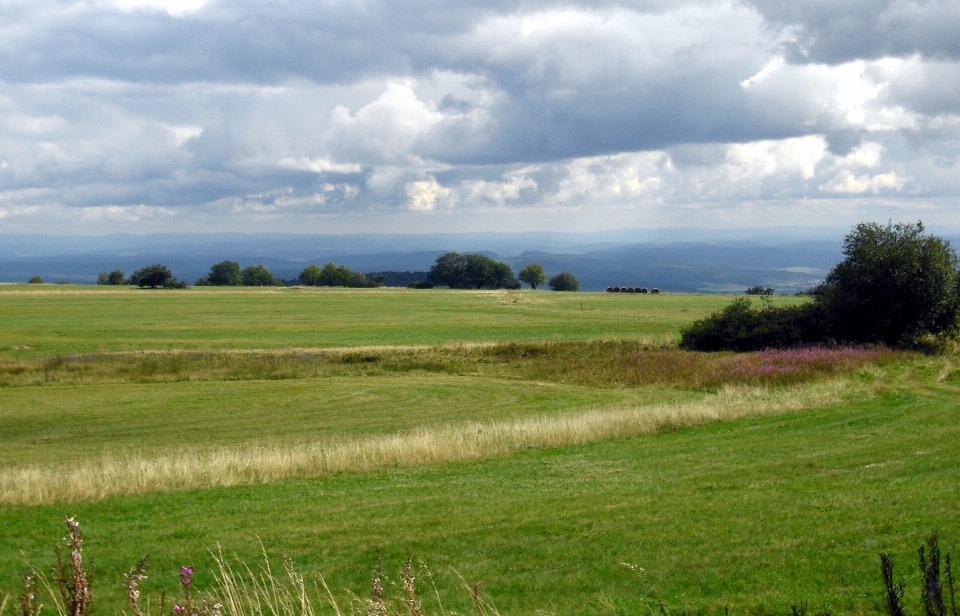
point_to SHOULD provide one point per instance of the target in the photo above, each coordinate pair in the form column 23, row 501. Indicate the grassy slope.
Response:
column 760, row 512
column 755, row 514
column 67, row 320
column 65, row 422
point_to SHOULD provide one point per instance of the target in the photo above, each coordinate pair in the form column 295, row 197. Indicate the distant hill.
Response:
column 704, row 263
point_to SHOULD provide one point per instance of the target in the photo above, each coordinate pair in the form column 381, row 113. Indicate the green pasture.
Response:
column 66, row 422
column 753, row 515
column 59, row 319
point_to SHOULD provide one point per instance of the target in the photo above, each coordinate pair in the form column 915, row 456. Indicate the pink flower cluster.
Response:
column 773, row 363
column 185, row 573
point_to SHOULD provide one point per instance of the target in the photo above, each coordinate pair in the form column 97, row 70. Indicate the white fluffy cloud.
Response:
column 303, row 115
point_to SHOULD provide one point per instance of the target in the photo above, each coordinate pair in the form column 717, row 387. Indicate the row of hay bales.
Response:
column 632, row 290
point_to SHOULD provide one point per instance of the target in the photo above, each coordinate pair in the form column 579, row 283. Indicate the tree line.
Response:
column 229, row 274
column 478, row 271
column 453, row 270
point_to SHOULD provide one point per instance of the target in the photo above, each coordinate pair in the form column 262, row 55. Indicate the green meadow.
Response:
column 64, row 319
column 557, row 447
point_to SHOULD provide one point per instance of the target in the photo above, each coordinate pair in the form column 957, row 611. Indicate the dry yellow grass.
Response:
column 180, row 470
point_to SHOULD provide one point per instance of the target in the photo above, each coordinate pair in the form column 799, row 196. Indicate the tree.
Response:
column 116, row 277
column 155, row 276
column 895, row 285
column 564, row 281
column 333, row 275
column 310, row 276
column 474, row 270
column 259, row 276
column 501, row 276
column 35, row 280
column 450, row 269
column 760, row 290
column 225, row 274
column 479, row 271
column 533, row 275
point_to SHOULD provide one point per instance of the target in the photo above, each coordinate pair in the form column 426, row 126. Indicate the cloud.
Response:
column 424, row 195
column 173, row 7
column 318, row 165
column 846, row 182
column 835, row 32
column 239, row 110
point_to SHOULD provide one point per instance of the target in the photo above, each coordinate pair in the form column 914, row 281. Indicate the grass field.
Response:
column 54, row 320
column 567, row 456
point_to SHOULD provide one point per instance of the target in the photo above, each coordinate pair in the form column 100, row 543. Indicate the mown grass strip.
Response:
column 186, row 469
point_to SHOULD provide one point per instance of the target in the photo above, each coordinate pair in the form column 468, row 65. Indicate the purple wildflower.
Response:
column 185, row 573
column 178, row 610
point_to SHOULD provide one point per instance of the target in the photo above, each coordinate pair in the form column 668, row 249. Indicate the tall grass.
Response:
column 186, row 469
column 238, row 590
column 600, row 363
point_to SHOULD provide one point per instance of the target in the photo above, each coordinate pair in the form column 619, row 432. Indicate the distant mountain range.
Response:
column 673, row 260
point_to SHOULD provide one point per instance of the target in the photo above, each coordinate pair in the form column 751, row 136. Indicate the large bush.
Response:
column 741, row 327
column 895, row 286
column 564, row 281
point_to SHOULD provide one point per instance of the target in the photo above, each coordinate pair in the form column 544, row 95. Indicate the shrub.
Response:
column 564, row 281
column 116, row 277
column 759, row 290
column 35, row 280
column 419, row 284
column 741, row 327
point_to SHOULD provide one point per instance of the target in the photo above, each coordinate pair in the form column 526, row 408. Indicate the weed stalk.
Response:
column 932, row 590
column 71, row 578
column 134, row 577
column 894, row 591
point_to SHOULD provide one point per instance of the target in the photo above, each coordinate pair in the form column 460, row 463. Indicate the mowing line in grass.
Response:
column 190, row 468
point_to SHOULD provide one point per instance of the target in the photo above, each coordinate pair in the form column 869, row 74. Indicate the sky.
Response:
column 347, row 116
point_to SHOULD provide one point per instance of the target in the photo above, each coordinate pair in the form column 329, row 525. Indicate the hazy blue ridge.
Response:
column 710, row 261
